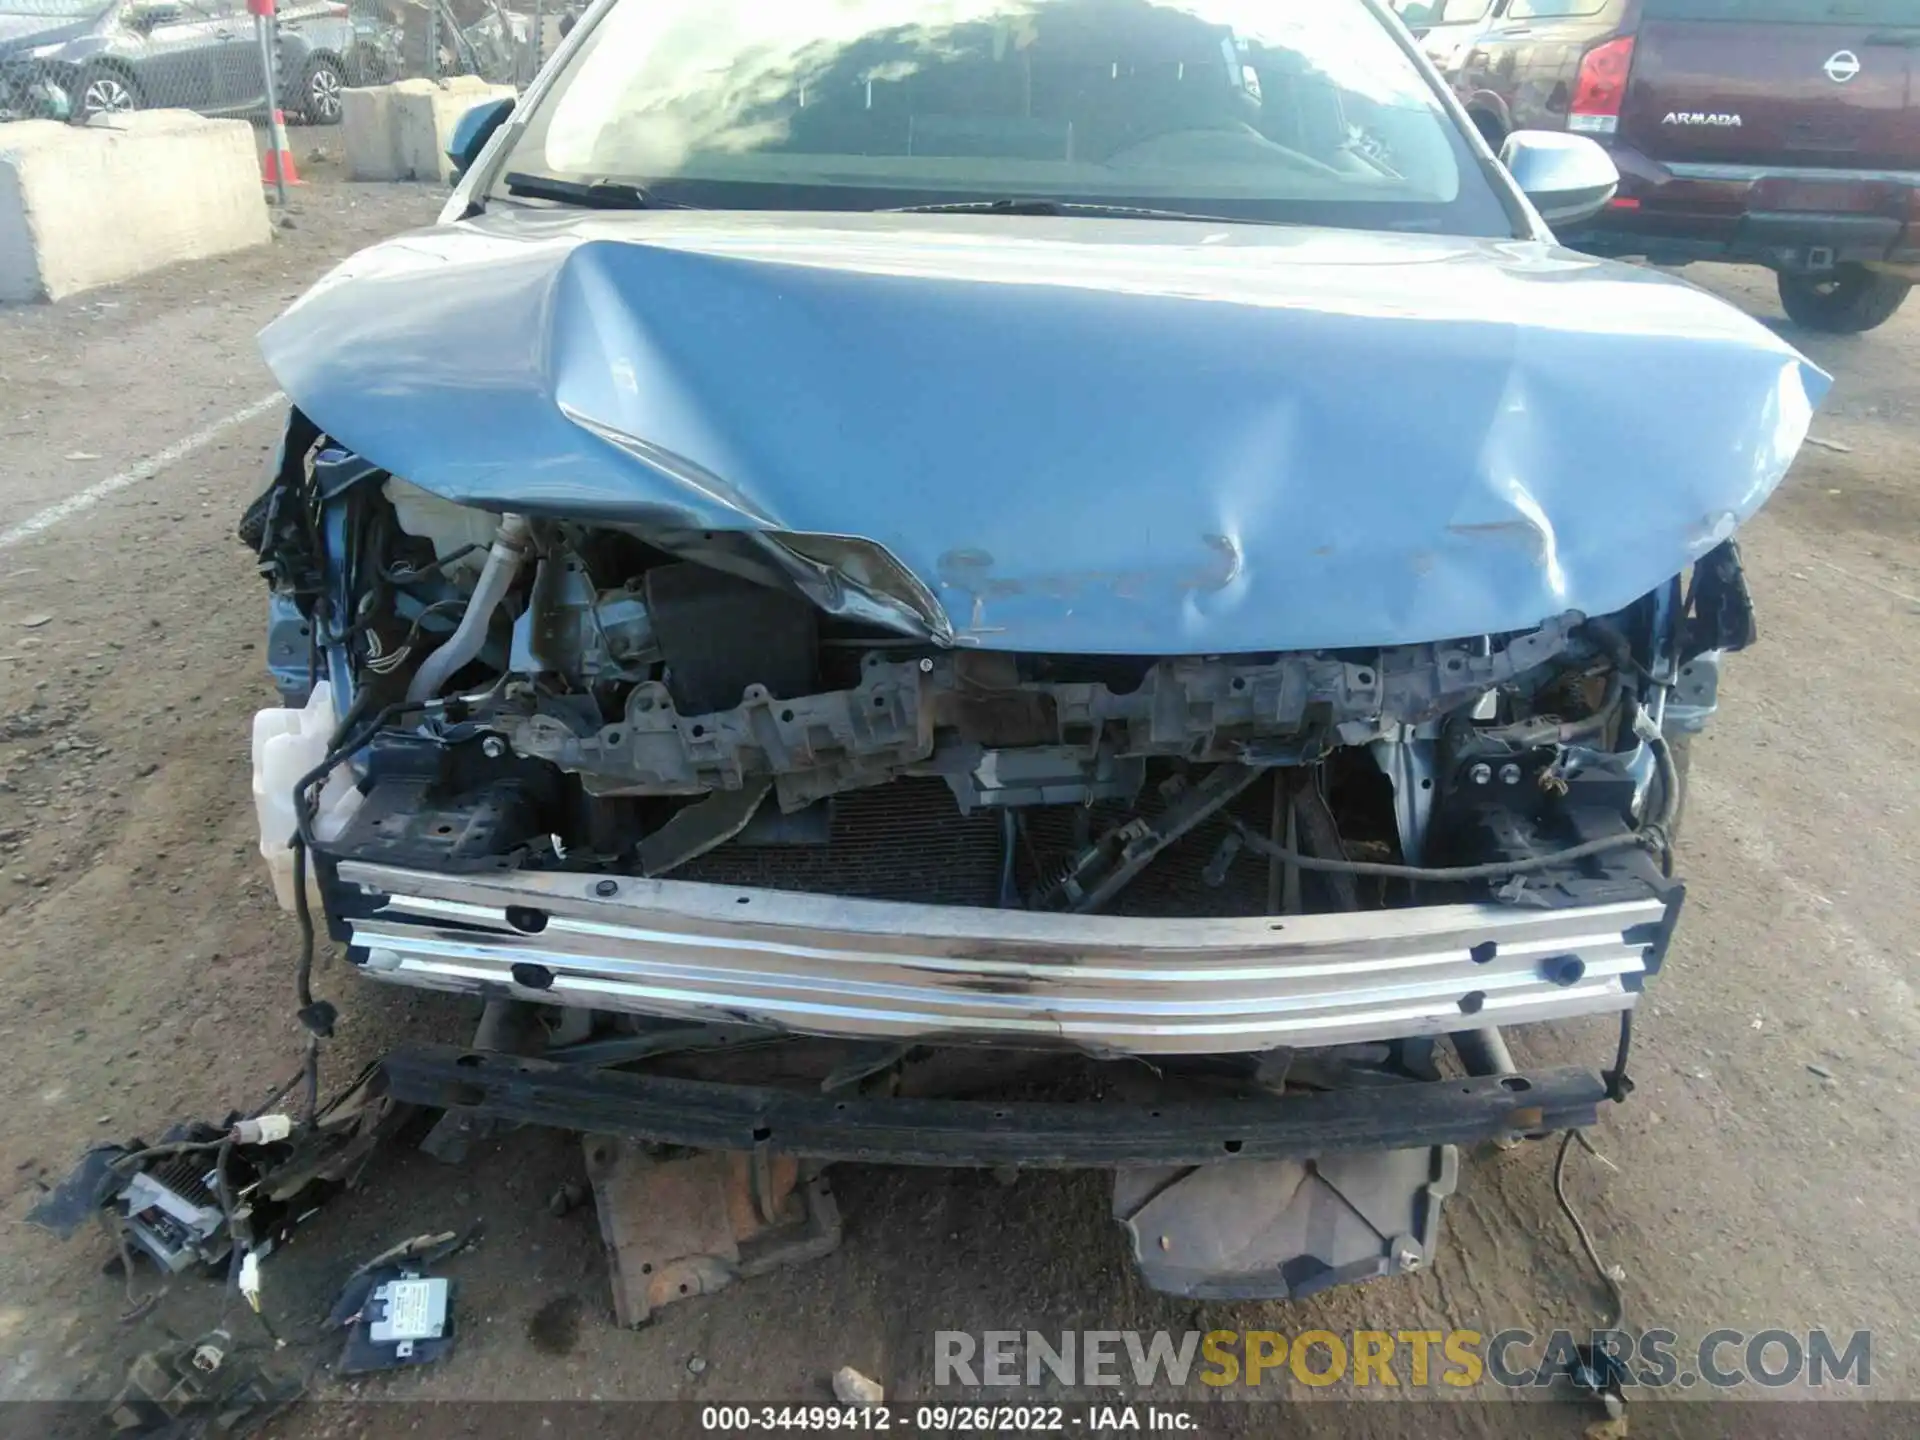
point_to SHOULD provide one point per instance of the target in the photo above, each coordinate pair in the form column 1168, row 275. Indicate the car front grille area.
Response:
column 908, row 841
column 905, row 840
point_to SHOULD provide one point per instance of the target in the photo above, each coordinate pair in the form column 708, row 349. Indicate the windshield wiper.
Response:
column 1030, row 206
column 590, row 194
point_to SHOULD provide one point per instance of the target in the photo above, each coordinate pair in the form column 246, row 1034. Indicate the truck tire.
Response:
column 1850, row 300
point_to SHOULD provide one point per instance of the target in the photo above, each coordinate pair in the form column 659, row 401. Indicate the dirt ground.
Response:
column 1766, row 1168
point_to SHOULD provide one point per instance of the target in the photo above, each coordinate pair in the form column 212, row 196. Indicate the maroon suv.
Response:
column 1783, row 133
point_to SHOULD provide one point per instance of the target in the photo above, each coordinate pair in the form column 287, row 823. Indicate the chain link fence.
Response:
column 499, row 42
column 73, row 59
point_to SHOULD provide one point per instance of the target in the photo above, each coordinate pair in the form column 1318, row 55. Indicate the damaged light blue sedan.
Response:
column 1013, row 582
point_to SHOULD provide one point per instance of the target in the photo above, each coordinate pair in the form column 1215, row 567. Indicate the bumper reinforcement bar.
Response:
column 824, row 965
column 1091, row 1135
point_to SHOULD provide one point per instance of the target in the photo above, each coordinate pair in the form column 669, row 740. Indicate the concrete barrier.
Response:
column 400, row 131
column 87, row 205
column 366, row 133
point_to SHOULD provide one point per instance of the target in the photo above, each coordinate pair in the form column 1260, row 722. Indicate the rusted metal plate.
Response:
column 691, row 1225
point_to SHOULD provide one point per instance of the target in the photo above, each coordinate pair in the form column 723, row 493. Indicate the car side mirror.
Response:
column 472, row 131
column 1569, row 178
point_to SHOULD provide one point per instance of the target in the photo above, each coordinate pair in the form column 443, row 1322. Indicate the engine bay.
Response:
column 521, row 693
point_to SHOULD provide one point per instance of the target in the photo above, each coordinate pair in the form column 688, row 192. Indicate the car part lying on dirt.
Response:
column 208, row 1197
column 1206, row 645
column 1215, row 1233
column 680, row 1225
column 192, row 1389
column 394, row 1313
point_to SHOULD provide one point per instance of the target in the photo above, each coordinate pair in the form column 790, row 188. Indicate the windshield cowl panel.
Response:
column 1282, row 111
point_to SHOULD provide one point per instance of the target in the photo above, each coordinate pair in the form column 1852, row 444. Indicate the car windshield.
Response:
column 1300, row 111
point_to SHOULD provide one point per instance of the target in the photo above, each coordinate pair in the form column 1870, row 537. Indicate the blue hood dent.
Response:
column 1083, row 436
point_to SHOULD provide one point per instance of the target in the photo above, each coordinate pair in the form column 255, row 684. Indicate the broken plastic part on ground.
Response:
column 208, row 1386
column 217, row 1199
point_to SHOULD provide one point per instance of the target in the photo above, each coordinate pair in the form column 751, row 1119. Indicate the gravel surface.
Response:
column 1766, row 1166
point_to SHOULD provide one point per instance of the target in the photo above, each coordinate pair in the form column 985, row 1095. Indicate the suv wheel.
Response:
column 320, row 92
column 103, row 90
column 1846, row 302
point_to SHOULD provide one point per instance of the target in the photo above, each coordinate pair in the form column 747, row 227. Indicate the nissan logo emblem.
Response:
column 1842, row 66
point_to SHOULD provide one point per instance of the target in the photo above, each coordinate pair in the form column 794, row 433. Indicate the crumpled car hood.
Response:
column 1082, row 436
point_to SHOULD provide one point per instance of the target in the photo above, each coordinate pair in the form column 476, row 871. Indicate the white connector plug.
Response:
column 262, row 1129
